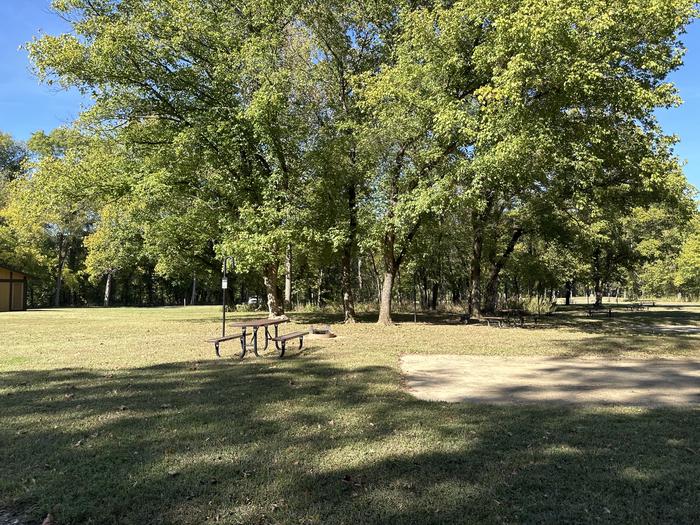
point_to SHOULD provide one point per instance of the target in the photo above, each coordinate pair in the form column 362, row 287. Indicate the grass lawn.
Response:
column 125, row 416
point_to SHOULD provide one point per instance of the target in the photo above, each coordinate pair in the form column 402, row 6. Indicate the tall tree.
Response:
column 198, row 83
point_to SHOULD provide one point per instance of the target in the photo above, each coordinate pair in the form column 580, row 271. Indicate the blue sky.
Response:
column 685, row 120
column 27, row 106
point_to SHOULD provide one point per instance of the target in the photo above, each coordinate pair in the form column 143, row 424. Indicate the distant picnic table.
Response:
column 641, row 305
column 254, row 325
column 607, row 312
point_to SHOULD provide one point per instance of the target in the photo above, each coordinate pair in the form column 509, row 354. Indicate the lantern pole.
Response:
column 224, row 287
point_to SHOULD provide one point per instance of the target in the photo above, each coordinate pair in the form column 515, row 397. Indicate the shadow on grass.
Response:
column 566, row 316
column 301, row 441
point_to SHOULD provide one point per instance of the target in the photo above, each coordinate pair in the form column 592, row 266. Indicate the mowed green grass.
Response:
column 125, row 416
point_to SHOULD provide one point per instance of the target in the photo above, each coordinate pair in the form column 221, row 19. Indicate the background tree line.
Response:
column 344, row 152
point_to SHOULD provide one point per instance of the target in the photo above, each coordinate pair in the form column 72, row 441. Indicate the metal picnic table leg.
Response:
column 277, row 345
column 243, row 342
column 267, row 338
column 255, row 341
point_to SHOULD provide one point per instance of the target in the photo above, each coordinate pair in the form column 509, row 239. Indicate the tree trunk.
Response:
column 193, row 297
column 346, row 284
column 391, row 269
column 274, row 305
column 288, row 278
column 598, row 293
column 391, row 265
column 436, row 290
column 59, row 271
column 348, row 249
column 597, row 279
column 57, row 287
column 474, row 299
column 569, row 287
column 108, row 289
column 359, row 274
column 491, row 295
column 456, row 296
column 385, row 304
column 491, row 300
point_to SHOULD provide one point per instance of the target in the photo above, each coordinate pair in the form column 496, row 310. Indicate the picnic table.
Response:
column 641, row 306
column 254, row 325
column 515, row 316
column 636, row 306
column 497, row 320
column 597, row 311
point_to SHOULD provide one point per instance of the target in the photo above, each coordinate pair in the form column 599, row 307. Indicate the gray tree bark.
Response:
column 288, row 278
column 108, row 289
column 385, row 304
column 59, row 271
column 274, row 305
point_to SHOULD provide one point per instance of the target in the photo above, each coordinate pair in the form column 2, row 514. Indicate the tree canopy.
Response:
column 487, row 149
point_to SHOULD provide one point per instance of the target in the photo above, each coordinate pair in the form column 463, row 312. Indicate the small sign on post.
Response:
column 224, row 283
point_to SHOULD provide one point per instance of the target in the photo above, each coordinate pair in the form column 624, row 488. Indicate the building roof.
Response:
column 14, row 269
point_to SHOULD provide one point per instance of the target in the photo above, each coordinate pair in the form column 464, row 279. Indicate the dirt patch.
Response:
column 534, row 380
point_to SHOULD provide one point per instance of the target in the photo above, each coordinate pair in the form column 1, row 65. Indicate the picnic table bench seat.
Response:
column 218, row 340
column 281, row 340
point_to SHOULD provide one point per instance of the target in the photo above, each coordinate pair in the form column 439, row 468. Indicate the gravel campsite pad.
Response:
column 522, row 380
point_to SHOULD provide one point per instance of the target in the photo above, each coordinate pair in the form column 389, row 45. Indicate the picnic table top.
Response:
column 257, row 323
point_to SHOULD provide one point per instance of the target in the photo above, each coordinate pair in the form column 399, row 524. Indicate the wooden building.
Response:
column 13, row 290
